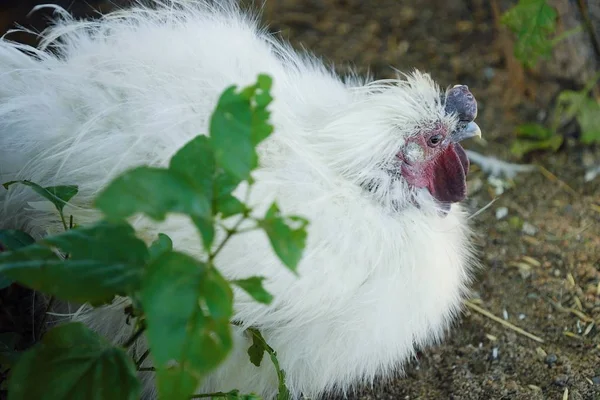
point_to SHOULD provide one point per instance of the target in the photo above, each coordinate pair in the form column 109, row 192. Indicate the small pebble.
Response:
column 561, row 380
column 529, row 229
column 521, row 317
column 501, row 212
column 551, row 359
column 495, row 353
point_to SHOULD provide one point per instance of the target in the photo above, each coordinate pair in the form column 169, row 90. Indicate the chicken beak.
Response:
column 470, row 131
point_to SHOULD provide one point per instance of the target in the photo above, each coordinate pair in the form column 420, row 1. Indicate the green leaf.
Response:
column 8, row 343
column 238, row 124
column 105, row 260
column 154, row 192
column 5, row 282
column 288, row 242
column 58, row 195
column 256, row 352
column 195, row 160
column 254, row 287
column 521, row 147
column 160, row 246
column 225, row 183
column 230, row 132
column 207, row 231
column 14, row 239
column 261, row 128
column 534, row 131
column 72, row 362
column 589, row 121
column 228, row 205
column 188, row 308
column 532, row 21
column 585, row 109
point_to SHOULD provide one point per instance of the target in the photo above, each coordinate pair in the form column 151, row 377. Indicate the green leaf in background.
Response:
column 58, row 195
column 154, row 192
column 534, row 131
column 72, row 362
column 520, row 147
column 11, row 239
column 254, row 287
column 105, row 260
column 188, row 308
column 532, row 21
column 163, row 244
column 286, row 234
column 238, row 124
column 585, row 110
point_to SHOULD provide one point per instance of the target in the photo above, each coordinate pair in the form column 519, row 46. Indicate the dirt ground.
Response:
column 541, row 262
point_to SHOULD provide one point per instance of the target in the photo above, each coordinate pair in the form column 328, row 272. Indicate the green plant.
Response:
column 534, row 22
column 182, row 305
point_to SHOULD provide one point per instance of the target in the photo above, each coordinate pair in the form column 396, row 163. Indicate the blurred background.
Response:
column 533, row 66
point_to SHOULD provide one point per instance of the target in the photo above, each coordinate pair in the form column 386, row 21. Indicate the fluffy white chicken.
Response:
column 374, row 165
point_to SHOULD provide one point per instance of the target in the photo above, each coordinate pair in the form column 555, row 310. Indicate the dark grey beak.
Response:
column 469, row 131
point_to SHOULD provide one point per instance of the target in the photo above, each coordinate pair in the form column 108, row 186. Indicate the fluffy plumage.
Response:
column 386, row 265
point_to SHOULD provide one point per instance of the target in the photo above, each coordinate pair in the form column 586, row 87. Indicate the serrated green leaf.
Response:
column 72, row 363
column 533, row 21
column 254, row 287
column 161, row 245
column 154, row 192
column 58, row 195
column 238, row 124
column 287, row 241
column 105, row 260
column 188, row 308
column 230, row 132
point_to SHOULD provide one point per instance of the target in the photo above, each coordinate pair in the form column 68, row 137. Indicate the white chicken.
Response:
column 375, row 166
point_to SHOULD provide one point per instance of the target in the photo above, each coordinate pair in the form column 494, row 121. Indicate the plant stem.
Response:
column 62, row 219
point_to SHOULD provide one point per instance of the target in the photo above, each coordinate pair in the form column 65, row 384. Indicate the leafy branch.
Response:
column 183, row 306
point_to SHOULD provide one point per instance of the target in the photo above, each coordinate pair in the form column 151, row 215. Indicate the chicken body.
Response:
column 385, row 267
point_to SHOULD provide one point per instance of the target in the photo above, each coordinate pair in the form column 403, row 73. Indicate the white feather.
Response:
column 383, row 273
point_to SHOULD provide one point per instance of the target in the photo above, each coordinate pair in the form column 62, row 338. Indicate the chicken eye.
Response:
column 435, row 140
